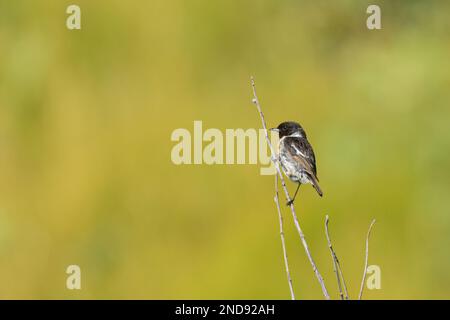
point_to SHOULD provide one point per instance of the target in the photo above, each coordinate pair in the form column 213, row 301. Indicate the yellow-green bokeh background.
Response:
column 86, row 117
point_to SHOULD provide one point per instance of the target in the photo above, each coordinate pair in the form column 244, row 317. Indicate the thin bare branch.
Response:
column 283, row 184
column 366, row 260
column 336, row 265
column 280, row 218
column 343, row 280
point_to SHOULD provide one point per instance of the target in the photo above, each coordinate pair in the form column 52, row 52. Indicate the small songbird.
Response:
column 296, row 156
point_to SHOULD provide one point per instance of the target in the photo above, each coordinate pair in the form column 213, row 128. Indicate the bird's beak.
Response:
column 274, row 129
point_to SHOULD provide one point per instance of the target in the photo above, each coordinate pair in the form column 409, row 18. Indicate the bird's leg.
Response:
column 295, row 194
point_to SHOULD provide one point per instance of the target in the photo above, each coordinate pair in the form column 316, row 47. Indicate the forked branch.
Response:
column 283, row 184
column 336, row 265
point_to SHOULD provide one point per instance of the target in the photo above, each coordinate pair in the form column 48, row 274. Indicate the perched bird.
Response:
column 296, row 156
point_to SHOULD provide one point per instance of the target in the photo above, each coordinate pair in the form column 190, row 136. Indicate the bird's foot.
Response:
column 290, row 202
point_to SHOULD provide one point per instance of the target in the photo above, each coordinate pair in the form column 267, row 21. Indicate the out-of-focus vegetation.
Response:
column 86, row 117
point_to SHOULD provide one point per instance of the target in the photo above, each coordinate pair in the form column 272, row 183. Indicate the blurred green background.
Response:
column 86, row 118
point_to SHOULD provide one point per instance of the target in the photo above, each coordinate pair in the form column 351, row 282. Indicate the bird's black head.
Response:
column 290, row 128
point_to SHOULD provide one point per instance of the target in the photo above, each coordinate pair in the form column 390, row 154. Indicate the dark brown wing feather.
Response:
column 301, row 149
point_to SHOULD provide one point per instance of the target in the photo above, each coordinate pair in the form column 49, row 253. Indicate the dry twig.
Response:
column 366, row 260
column 283, row 184
column 280, row 217
column 336, row 265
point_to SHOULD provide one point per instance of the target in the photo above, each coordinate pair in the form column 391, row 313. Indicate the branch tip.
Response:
column 366, row 260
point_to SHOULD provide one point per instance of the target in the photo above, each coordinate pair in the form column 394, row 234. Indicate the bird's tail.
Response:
column 316, row 186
